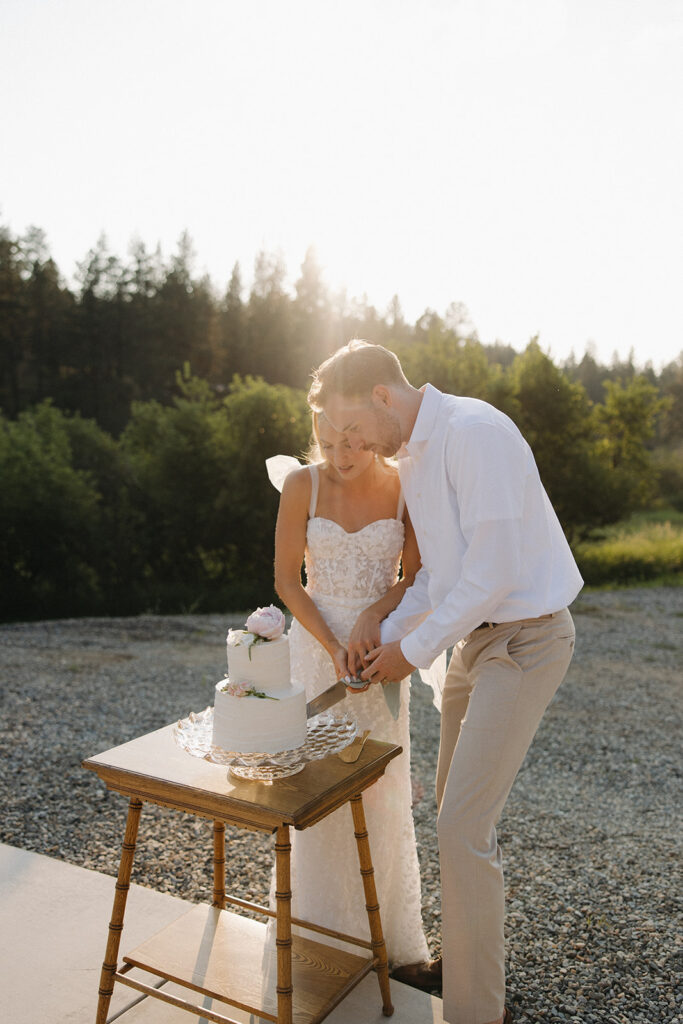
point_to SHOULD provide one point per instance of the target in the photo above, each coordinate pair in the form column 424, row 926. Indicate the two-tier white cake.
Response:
column 257, row 708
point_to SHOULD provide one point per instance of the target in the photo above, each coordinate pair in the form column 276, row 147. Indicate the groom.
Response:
column 496, row 577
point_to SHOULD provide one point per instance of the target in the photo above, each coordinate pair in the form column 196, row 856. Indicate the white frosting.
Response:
column 267, row 667
column 255, row 724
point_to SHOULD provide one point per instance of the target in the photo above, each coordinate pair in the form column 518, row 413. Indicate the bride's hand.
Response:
column 365, row 636
column 341, row 666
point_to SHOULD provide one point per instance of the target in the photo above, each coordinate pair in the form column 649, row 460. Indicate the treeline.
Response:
column 130, row 485
column 122, row 332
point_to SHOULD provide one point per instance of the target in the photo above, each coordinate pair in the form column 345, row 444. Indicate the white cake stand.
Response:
column 326, row 734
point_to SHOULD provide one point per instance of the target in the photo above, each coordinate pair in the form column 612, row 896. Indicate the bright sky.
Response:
column 522, row 157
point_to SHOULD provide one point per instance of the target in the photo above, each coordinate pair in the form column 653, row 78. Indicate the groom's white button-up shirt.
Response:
column 491, row 545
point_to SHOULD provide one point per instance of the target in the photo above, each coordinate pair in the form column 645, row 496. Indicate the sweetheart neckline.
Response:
column 353, row 533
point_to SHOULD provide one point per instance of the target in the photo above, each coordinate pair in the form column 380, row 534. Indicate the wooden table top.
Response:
column 154, row 768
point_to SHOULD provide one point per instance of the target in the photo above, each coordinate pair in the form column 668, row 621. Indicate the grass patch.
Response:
column 643, row 520
column 648, row 548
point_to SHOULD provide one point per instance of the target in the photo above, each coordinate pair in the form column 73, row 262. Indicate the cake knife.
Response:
column 332, row 695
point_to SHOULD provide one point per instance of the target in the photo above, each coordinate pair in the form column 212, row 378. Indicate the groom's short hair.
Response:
column 353, row 371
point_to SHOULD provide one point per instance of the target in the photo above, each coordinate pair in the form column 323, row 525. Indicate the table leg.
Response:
column 116, row 924
column 283, row 942
column 219, row 864
column 371, row 904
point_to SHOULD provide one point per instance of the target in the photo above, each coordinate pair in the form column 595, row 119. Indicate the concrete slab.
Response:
column 53, row 933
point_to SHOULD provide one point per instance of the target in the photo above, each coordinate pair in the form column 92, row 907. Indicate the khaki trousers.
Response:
column 499, row 682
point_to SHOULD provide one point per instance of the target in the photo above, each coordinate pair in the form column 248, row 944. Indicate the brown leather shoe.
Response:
column 507, row 1016
column 425, row 975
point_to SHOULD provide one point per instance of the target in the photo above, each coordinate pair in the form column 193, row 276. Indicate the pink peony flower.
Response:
column 245, row 690
column 238, row 689
column 268, row 623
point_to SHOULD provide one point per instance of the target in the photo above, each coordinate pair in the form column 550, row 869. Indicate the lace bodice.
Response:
column 360, row 565
column 345, row 573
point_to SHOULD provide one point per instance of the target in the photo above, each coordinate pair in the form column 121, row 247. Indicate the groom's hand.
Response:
column 386, row 664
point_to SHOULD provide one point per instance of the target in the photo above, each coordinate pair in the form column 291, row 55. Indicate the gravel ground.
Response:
column 589, row 833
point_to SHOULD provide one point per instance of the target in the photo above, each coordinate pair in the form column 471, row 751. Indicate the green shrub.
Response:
column 49, row 521
column 199, row 486
column 631, row 555
column 668, row 463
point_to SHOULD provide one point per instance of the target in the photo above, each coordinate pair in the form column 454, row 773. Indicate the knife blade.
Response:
column 332, row 695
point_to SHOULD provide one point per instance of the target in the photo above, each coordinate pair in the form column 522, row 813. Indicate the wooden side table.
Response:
column 208, row 948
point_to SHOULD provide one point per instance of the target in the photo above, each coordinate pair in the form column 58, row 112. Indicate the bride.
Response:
column 344, row 516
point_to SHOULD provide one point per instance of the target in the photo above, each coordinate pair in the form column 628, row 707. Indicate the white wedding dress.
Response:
column 345, row 573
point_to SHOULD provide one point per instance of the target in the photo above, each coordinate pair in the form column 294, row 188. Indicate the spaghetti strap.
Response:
column 315, row 482
column 401, row 505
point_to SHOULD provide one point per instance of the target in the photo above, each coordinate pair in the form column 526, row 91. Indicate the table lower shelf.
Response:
column 231, row 958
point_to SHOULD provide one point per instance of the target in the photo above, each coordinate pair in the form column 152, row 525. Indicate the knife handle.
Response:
column 356, row 684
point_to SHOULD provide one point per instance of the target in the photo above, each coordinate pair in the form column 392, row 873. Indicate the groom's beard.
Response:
column 388, row 433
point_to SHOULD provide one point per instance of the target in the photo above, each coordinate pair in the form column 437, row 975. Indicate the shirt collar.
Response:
column 426, row 419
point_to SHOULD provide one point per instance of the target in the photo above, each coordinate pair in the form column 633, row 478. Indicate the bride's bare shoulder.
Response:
column 390, row 475
column 297, row 486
